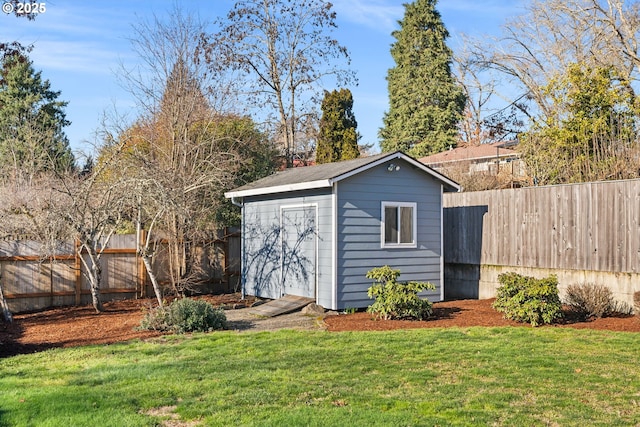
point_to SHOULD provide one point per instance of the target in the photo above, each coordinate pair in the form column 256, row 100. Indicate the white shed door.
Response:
column 299, row 243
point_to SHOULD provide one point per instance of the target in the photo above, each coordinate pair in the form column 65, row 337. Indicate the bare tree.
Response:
column 91, row 210
column 13, row 223
column 29, row 207
column 147, row 248
column 179, row 158
column 486, row 119
column 543, row 42
column 285, row 52
column 479, row 92
column 61, row 207
column 163, row 45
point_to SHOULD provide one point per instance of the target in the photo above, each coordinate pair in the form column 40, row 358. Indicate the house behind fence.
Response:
column 32, row 282
column 583, row 233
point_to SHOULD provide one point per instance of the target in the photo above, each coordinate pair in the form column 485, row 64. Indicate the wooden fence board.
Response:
column 592, row 226
column 32, row 281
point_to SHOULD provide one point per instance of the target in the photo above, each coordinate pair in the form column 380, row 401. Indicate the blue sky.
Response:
column 79, row 46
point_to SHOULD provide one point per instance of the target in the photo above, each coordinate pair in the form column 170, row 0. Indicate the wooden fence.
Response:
column 32, row 282
column 591, row 227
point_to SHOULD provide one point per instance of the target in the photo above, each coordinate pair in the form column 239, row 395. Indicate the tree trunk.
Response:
column 6, row 313
column 154, row 280
column 94, row 274
column 173, row 249
column 145, row 253
column 95, row 287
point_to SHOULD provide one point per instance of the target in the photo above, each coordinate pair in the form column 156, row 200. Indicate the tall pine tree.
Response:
column 32, row 121
column 338, row 139
column 425, row 102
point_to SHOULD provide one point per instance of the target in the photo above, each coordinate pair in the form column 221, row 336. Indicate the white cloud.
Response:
column 74, row 56
column 70, row 37
column 381, row 15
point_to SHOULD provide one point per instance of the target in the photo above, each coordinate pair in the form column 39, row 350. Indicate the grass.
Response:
column 474, row 376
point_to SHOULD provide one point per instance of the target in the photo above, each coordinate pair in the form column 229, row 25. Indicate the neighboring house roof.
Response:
column 297, row 163
column 472, row 153
column 325, row 175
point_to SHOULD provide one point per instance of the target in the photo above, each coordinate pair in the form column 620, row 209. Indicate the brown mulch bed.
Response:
column 465, row 313
column 77, row 326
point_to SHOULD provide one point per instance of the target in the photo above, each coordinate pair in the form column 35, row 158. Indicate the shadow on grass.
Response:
column 239, row 325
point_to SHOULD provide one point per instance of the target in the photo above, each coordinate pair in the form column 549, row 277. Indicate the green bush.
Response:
column 526, row 299
column 590, row 300
column 185, row 315
column 394, row 300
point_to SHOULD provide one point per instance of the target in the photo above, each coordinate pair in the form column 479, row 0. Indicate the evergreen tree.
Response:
column 338, row 138
column 425, row 103
column 32, row 120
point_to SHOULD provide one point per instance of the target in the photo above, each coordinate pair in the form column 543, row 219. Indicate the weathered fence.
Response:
column 32, row 282
column 584, row 233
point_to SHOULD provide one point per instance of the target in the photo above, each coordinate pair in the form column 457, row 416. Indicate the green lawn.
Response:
column 475, row 376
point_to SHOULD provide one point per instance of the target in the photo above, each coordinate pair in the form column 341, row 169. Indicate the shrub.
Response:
column 636, row 303
column 397, row 300
column 590, row 300
column 185, row 315
column 156, row 319
column 526, row 299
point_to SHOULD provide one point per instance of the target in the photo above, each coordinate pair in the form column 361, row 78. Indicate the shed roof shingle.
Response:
column 323, row 175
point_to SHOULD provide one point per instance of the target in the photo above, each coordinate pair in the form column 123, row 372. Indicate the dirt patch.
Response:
column 77, row 326
column 169, row 418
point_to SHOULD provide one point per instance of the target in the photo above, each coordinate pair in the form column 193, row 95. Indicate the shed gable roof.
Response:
column 325, row 175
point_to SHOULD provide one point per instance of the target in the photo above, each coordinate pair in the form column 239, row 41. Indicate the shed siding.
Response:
column 359, row 234
column 262, row 242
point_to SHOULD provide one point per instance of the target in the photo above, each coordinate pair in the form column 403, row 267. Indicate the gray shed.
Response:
column 315, row 231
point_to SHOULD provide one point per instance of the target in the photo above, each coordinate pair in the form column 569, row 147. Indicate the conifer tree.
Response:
column 32, row 121
column 338, row 138
column 425, row 102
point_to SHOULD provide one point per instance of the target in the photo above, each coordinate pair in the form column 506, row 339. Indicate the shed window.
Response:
column 398, row 224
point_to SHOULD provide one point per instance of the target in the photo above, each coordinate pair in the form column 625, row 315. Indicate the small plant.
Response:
column 526, row 299
column 350, row 310
column 590, row 300
column 397, row 300
column 185, row 315
column 636, row 303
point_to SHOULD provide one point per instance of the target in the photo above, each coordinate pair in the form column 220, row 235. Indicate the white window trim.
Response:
column 414, row 243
